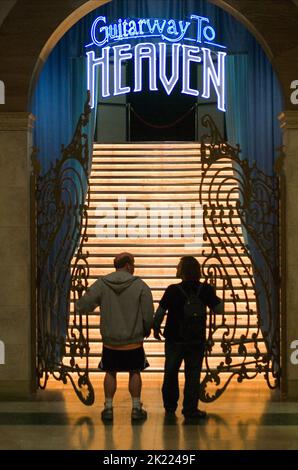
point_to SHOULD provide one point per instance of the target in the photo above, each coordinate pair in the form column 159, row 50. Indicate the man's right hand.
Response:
column 157, row 334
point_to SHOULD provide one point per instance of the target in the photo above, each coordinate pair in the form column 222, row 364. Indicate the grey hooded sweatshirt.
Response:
column 126, row 307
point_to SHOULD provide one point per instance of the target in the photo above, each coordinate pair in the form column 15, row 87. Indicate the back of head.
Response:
column 189, row 269
column 121, row 260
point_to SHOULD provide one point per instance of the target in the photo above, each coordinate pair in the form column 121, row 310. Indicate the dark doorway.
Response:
column 157, row 116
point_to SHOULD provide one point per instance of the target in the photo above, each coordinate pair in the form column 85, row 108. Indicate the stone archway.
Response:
column 28, row 34
column 31, row 30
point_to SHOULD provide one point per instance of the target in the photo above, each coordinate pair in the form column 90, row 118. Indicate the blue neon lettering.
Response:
column 125, row 32
column 120, row 32
column 145, row 51
column 209, row 38
column 182, row 33
column 141, row 23
column 190, row 54
column 156, row 27
column 212, row 76
column 168, row 29
column 93, row 31
column 217, row 78
column 169, row 84
column 200, row 20
column 132, row 29
column 172, row 32
column 113, row 31
column 92, row 63
column 172, row 28
column 119, row 57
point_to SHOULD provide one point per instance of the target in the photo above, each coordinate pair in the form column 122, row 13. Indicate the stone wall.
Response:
column 15, row 254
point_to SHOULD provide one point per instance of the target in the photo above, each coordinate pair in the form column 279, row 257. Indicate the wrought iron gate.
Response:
column 61, row 221
column 253, row 200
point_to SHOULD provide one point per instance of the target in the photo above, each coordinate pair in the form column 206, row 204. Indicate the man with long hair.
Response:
column 126, row 311
column 182, row 342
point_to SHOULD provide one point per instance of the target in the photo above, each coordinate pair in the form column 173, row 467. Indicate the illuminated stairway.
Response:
column 150, row 180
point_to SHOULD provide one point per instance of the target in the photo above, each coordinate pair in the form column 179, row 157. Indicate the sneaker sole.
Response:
column 107, row 419
column 142, row 418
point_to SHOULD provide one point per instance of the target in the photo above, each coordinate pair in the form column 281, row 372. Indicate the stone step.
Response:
column 105, row 260
column 163, row 281
column 247, row 298
column 244, row 309
column 216, row 350
column 155, row 220
column 157, row 203
column 157, row 371
column 111, row 172
column 145, row 152
column 182, row 246
column 145, row 181
column 112, row 228
column 169, row 273
column 151, row 248
column 242, row 318
column 157, row 361
column 159, row 189
column 143, row 263
column 153, row 189
column 112, row 166
column 147, row 145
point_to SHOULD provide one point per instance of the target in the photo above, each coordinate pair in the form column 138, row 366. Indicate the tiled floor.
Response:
column 247, row 416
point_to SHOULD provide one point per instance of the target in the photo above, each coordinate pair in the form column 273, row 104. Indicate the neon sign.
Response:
column 174, row 34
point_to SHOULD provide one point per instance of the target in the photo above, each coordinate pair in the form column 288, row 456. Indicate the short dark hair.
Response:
column 121, row 261
column 190, row 268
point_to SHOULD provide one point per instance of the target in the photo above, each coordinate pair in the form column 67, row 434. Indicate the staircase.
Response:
column 145, row 200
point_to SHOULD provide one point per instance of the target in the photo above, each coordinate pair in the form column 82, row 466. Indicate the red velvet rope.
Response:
column 163, row 126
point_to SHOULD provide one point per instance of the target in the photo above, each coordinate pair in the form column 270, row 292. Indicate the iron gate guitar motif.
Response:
column 246, row 224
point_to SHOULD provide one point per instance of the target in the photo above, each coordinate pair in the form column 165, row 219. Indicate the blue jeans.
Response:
column 175, row 353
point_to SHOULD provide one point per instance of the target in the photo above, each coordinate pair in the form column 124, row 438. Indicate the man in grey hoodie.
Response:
column 126, row 310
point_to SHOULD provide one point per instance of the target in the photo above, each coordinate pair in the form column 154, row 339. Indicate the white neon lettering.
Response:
column 172, row 28
column 213, row 69
column 206, row 36
column 120, row 32
column 113, row 31
column 189, row 55
column 104, row 28
column 120, row 56
column 169, row 84
column 156, row 28
column 92, row 63
column 125, row 32
column 200, row 20
column 168, row 29
column 183, row 30
column 218, row 79
column 141, row 23
column 132, row 29
column 145, row 51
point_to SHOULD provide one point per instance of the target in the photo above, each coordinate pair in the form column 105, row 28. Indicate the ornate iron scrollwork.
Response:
column 241, row 235
column 62, row 268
